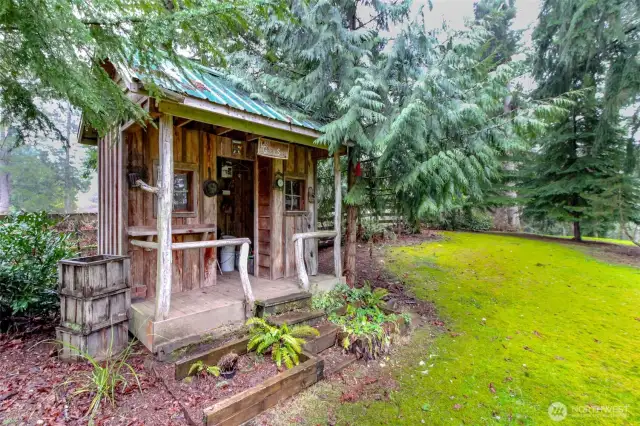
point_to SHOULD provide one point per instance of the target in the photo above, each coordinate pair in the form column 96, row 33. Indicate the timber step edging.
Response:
column 297, row 317
column 283, row 304
column 325, row 340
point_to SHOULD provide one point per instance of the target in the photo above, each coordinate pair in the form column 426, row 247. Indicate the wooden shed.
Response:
column 214, row 169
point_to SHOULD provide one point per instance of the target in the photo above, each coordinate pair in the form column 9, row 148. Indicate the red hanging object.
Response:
column 358, row 170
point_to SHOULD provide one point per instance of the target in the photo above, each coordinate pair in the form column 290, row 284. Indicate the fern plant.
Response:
column 284, row 342
column 200, row 367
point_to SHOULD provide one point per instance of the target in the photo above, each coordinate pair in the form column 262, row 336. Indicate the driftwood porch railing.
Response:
column 336, row 234
column 299, row 240
column 242, row 264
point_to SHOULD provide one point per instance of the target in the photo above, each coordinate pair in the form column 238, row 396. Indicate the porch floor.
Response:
column 204, row 310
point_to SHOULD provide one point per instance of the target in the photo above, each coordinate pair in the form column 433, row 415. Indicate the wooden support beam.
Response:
column 184, row 122
column 165, row 209
column 251, row 137
column 337, row 214
column 222, row 131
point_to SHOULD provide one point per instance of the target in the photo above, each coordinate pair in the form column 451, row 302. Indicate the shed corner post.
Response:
column 337, row 214
column 165, row 209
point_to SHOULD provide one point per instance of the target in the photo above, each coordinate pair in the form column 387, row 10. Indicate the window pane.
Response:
column 180, row 191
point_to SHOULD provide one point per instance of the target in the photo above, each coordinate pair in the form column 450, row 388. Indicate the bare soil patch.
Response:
column 34, row 389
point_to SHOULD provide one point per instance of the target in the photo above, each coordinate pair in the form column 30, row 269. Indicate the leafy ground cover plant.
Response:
column 284, row 342
column 104, row 379
column 30, row 249
column 200, row 368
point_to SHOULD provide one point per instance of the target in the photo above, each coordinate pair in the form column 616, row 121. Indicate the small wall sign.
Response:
column 273, row 149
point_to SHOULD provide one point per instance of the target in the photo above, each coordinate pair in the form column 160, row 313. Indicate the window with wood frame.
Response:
column 185, row 185
column 294, row 195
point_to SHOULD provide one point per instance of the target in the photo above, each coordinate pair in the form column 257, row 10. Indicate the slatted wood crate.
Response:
column 93, row 275
column 88, row 314
column 95, row 300
column 99, row 344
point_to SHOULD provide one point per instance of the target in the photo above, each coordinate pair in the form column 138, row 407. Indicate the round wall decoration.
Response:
column 210, row 188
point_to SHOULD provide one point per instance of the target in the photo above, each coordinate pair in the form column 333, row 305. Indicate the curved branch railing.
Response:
column 298, row 240
column 242, row 264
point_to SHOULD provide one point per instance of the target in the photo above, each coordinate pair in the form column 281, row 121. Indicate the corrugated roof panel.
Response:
column 203, row 83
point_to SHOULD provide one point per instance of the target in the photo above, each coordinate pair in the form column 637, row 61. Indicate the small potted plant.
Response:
column 227, row 365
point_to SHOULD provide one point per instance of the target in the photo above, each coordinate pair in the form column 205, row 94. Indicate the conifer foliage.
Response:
column 56, row 49
column 591, row 48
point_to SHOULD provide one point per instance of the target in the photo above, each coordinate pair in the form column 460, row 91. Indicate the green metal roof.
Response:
column 205, row 83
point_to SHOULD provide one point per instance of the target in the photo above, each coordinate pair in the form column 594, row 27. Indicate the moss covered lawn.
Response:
column 529, row 323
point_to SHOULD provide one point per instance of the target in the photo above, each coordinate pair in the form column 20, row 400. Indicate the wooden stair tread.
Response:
column 292, row 318
column 284, row 299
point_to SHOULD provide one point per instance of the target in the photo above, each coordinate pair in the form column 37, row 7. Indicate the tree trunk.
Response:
column 68, row 202
column 351, row 232
column 577, row 235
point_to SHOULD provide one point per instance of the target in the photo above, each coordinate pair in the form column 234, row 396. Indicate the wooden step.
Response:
column 325, row 340
column 298, row 317
column 282, row 304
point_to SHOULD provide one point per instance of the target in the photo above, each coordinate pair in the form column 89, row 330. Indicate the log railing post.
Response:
column 298, row 240
column 302, row 270
column 337, row 215
column 165, row 210
column 244, row 277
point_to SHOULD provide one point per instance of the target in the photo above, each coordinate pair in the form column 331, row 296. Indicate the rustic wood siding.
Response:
column 110, row 194
column 193, row 149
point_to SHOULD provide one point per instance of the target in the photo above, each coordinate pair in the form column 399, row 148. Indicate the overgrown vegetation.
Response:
column 30, row 249
column 284, row 342
column 367, row 329
column 104, row 379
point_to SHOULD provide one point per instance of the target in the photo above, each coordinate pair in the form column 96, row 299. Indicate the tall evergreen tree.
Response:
column 592, row 48
column 497, row 17
column 55, row 49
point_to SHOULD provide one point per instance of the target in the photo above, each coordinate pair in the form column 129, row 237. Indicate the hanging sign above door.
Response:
column 273, row 149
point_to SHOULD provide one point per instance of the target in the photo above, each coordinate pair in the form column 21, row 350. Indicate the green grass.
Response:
column 530, row 322
column 600, row 240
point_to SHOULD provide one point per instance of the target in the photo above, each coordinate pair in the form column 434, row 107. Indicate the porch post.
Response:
column 165, row 208
column 337, row 214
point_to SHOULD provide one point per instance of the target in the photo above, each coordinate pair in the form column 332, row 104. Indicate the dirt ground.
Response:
column 36, row 388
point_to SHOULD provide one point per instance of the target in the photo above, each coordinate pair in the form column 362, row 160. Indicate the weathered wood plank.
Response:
column 246, row 405
column 212, row 357
column 165, row 207
column 209, row 209
column 311, row 246
column 277, row 232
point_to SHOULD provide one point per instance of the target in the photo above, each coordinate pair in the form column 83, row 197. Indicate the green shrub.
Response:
column 30, row 249
column 367, row 328
column 467, row 219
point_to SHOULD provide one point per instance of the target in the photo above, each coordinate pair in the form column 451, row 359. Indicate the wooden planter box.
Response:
column 245, row 405
column 93, row 275
column 94, row 306
column 100, row 344
column 88, row 314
